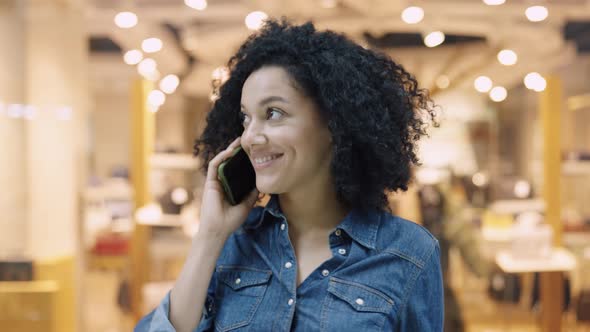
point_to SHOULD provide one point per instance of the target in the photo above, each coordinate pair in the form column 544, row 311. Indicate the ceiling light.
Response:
column 534, row 81
column 434, row 39
column 522, row 189
column 133, row 57
column 196, row 4
column 169, row 84
column 151, row 45
column 480, row 179
column 126, row 20
column 254, row 20
column 507, row 57
column 413, row 15
column 179, row 196
column 156, row 98
column 498, row 94
column 536, row 13
column 147, row 68
column 483, row 84
column 220, row 74
column 443, row 82
column 494, row 2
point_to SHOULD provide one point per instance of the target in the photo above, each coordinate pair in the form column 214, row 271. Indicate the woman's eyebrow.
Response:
column 267, row 100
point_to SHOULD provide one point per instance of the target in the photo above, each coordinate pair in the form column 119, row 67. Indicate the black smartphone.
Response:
column 237, row 176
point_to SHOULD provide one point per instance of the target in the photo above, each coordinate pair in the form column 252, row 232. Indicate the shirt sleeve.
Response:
column 159, row 319
column 424, row 310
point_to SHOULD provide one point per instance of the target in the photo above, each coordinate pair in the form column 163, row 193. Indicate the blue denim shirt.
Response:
column 384, row 275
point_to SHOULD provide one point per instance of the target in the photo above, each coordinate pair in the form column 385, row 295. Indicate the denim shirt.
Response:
column 384, row 275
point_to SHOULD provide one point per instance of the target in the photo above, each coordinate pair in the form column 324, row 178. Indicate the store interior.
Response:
column 101, row 102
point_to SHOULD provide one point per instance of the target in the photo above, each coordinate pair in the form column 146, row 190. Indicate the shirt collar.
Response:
column 256, row 217
column 361, row 226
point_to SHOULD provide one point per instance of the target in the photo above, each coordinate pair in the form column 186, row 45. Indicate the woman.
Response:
column 330, row 128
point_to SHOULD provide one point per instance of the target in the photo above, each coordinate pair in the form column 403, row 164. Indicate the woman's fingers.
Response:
column 219, row 158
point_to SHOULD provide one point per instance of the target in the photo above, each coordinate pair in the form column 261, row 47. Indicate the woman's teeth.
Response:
column 266, row 159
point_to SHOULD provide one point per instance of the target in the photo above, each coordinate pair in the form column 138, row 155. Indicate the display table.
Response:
column 551, row 273
column 561, row 260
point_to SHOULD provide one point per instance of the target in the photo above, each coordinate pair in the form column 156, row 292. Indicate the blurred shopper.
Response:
column 444, row 211
column 329, row 127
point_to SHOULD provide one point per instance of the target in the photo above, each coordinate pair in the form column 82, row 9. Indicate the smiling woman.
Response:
column 330, row 128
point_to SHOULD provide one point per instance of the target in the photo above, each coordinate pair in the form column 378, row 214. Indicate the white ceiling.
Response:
column 212, row 35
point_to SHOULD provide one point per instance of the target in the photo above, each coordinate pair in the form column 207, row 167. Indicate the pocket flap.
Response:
column 238, row 277
column 360, row 297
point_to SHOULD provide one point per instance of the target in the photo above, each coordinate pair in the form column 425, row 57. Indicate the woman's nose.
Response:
column 253, row 135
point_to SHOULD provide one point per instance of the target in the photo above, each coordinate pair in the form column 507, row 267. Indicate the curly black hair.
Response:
column 373, row 108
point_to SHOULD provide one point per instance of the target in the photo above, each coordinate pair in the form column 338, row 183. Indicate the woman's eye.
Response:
column 273, row 114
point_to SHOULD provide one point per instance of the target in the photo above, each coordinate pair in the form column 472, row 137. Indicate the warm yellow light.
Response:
column 534, row 81
column 443, row 82
column 494, row 2
column 434, row 39
column 151, row 45
column 133, row 57
column 254, row 20
column 498, row 94
column 126, row 20
column 507, row 57
column 196, row 4
column 536, row 13
column 413, row 15
column 483, row 84
column 169, row 84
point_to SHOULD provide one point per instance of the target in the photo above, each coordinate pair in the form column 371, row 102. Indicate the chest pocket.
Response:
column 239, row 293
column 352, row 306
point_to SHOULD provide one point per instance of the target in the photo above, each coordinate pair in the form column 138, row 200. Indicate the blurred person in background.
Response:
column 443, row 208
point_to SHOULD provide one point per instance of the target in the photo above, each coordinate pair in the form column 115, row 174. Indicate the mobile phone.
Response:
column 237, row 176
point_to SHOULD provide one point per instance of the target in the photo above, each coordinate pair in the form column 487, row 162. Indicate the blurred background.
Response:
column 101, row 100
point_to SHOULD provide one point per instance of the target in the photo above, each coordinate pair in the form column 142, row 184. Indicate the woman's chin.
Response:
column 267, row 188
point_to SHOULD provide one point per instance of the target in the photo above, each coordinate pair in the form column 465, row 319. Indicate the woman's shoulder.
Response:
column 404, row 238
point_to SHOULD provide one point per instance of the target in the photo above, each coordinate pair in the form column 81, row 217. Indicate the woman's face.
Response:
column 288, row 143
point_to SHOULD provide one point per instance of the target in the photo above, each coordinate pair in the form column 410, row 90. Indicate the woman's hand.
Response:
column 218, row 216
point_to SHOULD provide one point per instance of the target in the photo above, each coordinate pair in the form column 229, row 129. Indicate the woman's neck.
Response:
column 312, row 210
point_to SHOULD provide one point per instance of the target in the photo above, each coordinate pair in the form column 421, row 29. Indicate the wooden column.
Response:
column 142, row 142
column 552, row 282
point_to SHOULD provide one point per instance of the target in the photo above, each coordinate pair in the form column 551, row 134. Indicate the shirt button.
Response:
column 288, row 265
column 360, row 301
column 282, row 227
column 325, row 273
column 290, row 302
column 342, row 251
column 238, row 281
column 338, row 232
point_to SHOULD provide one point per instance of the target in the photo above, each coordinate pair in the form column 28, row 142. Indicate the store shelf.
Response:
column 515, row 206
column 179, row 161
column 166, row 220
column 571, row 167
column 560, row 260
